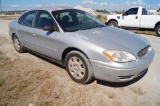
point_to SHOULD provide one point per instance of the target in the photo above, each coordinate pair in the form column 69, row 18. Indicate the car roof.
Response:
column 52, row 8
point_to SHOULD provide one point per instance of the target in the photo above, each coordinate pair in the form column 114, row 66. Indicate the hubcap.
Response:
column 16, row 43
column 159, row 30
column 76, row 67
column 112, row 24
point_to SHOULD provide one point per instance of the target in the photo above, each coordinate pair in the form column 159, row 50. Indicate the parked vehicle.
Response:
column 81, row 43
column 135, row 17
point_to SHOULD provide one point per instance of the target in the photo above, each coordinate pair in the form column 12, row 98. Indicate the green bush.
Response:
column 99, row 16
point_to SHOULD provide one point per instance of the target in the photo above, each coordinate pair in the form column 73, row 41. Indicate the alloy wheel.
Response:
column 76, row 67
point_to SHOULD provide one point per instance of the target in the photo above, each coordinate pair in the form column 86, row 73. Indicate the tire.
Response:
column 113, row 23
column 157, row 30
column 17, row 44
column 79, row 67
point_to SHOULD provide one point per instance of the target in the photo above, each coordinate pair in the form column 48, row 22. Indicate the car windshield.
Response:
column 74, row 20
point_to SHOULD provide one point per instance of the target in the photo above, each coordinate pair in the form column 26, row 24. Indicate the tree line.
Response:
column 107, row 12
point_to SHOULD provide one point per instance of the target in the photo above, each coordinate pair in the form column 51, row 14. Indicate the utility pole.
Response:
column 0, row 5
column 150, row 4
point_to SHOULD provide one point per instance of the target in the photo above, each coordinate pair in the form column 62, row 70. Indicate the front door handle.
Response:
column 136, row 17
column 34, row 34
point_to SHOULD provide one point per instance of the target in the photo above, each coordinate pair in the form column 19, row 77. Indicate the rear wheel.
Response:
column 113, row 23
column 17, row 44
column 79, row 67
column 158, row 30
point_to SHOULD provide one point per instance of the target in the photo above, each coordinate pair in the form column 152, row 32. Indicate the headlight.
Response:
column 119, row 56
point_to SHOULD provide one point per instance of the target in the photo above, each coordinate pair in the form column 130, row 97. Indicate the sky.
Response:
column 110, row 5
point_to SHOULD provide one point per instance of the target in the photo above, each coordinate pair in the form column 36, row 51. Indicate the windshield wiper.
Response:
column 99, row 26
column 81, row 29
column 76, row 30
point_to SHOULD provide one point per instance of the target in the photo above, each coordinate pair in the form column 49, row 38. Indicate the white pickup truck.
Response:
column 135, row 17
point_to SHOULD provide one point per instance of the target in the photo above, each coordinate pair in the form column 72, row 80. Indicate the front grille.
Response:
column 143, row 51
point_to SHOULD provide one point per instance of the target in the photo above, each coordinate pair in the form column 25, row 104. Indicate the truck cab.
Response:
column 133, row 14
column 135, row 17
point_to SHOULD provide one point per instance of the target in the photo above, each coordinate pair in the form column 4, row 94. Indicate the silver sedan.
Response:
column 81, row 43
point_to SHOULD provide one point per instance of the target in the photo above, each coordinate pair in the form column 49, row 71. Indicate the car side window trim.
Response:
column 34, row 19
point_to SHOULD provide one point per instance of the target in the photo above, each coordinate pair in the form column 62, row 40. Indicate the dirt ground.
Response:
column 27, row 80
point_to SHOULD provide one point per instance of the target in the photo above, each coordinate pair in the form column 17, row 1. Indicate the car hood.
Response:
column 111, row 38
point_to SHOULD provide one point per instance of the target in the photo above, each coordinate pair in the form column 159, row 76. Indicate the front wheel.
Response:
column 79, row 67
column 113, row 23
column 157, row 30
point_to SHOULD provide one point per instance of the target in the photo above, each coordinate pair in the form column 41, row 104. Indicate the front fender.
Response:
column 116, row 18
column 91, row 50
column 13, row 28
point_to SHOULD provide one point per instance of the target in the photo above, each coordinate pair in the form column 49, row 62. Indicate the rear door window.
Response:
column 144, row 11
column 27, row 19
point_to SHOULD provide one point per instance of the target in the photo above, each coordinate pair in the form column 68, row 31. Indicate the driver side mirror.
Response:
column 123, row 12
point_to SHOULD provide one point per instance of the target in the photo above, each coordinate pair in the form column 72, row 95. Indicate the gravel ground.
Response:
column 27, row 80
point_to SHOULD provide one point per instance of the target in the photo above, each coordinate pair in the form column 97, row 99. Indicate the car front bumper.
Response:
column 121, row 72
